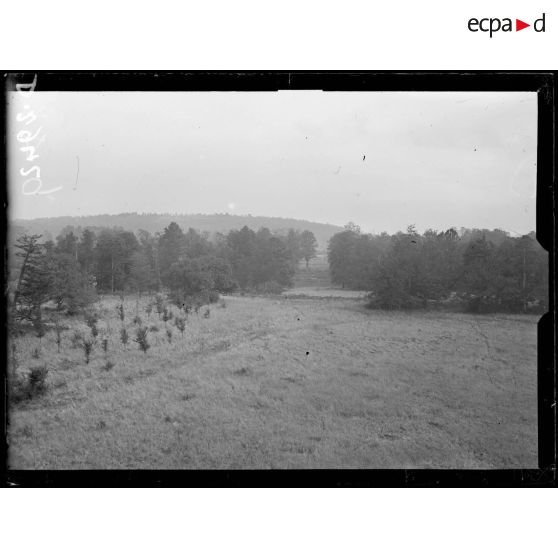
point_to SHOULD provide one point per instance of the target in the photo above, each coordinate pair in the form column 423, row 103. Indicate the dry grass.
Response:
column 286, row 383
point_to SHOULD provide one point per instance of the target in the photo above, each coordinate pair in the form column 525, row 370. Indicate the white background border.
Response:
column 277, row 35
column 272, row 34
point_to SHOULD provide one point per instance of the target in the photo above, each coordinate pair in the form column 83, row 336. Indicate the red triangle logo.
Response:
column 519, row 25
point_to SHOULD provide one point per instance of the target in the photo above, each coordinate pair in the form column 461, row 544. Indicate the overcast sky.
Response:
column 381, row 160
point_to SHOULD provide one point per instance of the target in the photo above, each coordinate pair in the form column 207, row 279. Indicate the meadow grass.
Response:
column 283, row 383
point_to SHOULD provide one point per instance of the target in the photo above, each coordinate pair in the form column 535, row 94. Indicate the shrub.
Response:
column 120, row 310
column 37, row 379
column 22, row 388
column 91, row 320
column 76, row 340
column 18, row 389
column 108, row 365
column 58, row 330
column 153, row 328
column 81, row 298
column 141, row 339
column 94, row 329
column 124, row 336
column 204, row 297
column 212, row 297
column 87, row 349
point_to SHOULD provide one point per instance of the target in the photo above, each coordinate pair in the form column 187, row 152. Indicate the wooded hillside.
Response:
column 50, row 228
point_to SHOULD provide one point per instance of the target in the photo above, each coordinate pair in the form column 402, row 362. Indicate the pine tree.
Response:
column 28, row 248
column 308, row 246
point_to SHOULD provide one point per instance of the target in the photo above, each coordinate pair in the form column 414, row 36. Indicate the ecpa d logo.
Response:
column 492, row 25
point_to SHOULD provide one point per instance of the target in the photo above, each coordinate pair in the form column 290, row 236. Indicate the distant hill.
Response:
column 154, row 222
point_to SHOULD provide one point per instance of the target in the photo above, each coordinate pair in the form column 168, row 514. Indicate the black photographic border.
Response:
column 541, row 82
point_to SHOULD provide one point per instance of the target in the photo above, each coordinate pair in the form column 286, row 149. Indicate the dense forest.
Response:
column 477, row 270
column 189, row 266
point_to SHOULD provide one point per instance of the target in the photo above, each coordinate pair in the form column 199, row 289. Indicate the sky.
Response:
column 382, row 160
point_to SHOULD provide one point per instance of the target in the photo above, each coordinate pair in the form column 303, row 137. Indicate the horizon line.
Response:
column 249, row 215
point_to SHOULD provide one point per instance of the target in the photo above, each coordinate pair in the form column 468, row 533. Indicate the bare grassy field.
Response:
column 286, row 383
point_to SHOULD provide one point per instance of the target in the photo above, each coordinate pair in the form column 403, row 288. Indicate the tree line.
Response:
column 72, row 270
column 480, row 270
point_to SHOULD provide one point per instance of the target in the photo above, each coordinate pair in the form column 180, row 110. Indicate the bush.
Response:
column 26, row 388
column 37, row 379
column 120, row 310
column 124, row 336
column 212, row 297
column 76, row 340
column 108, row 365
column 87, row 349
column 18, row 389
column 58, row 330
column 91, row 320
column 180, row 323
column 141, row 339
column 81, row 299
column 194, row 301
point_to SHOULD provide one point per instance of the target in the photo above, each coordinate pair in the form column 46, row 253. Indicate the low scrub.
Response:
column 141, row 339
column 33, row 385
